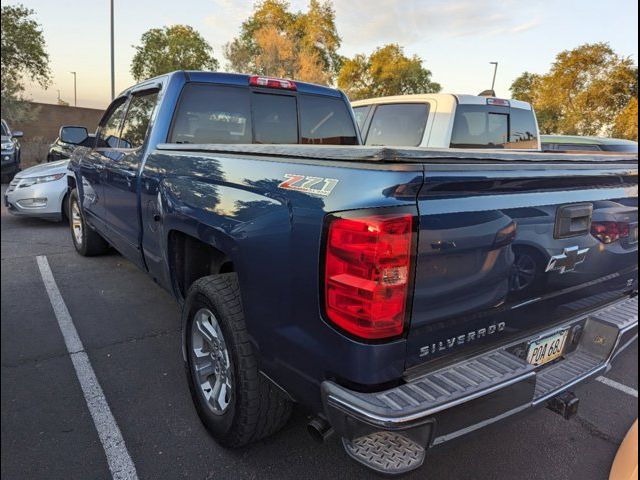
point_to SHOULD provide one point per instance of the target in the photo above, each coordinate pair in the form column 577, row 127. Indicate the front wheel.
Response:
column 86, row 240
column 235, row 402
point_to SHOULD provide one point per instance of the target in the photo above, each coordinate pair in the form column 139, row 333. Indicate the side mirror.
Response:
column 72, row 134
column 17, row 134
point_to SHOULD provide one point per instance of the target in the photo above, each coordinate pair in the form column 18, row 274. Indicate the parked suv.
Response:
column 10, row 152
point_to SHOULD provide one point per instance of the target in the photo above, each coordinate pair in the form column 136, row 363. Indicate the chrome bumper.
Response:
column 484, row 389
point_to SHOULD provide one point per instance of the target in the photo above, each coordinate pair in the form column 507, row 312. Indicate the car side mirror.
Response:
column 17, row 134
column 73, row 134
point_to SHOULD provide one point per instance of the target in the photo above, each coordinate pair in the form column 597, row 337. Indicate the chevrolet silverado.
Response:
column 382, row 289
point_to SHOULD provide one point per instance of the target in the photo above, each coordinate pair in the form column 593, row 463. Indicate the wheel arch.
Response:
column 190, row 258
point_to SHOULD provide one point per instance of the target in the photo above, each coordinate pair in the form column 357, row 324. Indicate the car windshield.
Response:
column 4, row 130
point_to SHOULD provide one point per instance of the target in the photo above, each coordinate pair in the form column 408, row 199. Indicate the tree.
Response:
column 626, row 124
column 22, row 55
column 387, row 71
column 163, row 50
column 585, row 92
column 275, row 55
column 275, row 41
column 523, row 87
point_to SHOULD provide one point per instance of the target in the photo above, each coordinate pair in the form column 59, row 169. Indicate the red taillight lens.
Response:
column 269, row 82
column 609, row 232
column 367, row 274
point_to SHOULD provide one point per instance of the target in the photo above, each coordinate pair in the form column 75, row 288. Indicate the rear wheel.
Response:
column 86, row 240
column 236, row 403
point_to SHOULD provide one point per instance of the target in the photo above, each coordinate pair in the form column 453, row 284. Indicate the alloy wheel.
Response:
column 76, row 223
column 210, row 361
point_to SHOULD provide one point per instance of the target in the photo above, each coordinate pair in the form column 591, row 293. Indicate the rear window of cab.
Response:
column 484, row 126
column 209, row 113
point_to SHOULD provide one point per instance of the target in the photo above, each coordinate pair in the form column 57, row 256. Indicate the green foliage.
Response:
column 522, row 87
column 275, row 41
column 387, row 71
column 585, row 92
column 163, row 50
column 22, row 55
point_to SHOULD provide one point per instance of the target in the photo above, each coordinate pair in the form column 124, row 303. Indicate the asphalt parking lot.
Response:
column 130, row 331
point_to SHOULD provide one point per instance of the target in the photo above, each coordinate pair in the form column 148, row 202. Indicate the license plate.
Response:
column 547, row 349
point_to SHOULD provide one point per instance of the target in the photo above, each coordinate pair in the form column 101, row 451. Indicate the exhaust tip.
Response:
column 319, row 429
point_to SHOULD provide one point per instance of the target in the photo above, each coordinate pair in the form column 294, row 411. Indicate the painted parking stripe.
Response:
column 618, row 386
column 118, row 458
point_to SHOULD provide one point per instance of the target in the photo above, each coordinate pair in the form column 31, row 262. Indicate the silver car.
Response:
column 39, row 191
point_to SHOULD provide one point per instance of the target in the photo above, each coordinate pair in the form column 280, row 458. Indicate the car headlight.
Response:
column 7, row 146
column 27, row 182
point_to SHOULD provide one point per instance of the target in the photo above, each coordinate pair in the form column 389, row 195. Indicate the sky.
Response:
column 455, row 39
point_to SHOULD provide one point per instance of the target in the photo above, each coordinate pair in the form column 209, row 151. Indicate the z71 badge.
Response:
column 311, row 185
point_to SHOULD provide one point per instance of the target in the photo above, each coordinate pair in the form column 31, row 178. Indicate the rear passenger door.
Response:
column 121, row 176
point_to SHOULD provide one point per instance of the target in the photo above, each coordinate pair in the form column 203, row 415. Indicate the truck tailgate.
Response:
column 508, row 250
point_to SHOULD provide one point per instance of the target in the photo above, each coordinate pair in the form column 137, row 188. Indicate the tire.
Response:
column 64, row 208
column 255, row 407
column 86, row 240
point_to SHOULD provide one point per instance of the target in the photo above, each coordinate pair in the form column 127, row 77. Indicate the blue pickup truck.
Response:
column 404, row 297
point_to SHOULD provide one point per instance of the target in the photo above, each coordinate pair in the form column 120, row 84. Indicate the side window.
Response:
column 325, row 121
column 361, row 115
column 400, row 125
column 275, row 118
column 110, row 129
column 136, row 121
column 212, row 114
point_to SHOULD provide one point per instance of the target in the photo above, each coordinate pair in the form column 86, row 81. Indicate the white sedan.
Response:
column 39, row 191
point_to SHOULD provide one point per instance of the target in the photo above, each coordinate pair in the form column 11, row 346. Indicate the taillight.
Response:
column 609, row 232
column 367, row 274
column 269, row 82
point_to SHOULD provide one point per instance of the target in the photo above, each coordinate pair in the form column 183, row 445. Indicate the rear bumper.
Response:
column 481, row 390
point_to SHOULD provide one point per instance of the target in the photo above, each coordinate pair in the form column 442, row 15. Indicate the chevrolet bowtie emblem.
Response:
column 567, row 260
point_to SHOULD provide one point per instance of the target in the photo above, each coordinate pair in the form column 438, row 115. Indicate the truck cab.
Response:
column 444, row 120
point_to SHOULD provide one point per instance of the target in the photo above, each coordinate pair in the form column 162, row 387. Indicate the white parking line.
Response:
column 618, row 386
column 118, row 458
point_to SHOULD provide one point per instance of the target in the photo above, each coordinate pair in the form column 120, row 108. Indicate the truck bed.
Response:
column 462, row 294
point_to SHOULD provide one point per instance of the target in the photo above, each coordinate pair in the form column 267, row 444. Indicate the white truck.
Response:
column 444, row 120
